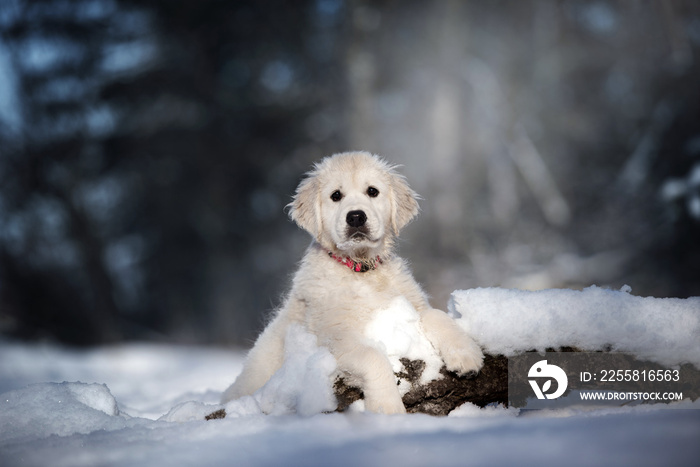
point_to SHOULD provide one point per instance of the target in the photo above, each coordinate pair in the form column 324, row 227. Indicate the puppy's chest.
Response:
column 359, row 293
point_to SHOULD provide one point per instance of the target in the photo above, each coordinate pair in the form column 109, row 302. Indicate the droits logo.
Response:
column 542, row 370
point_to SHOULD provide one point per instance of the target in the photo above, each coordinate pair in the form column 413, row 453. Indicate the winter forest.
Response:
column 148, row 150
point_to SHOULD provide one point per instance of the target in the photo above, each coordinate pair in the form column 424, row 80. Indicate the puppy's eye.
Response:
column 372, row 192
column 336, row 196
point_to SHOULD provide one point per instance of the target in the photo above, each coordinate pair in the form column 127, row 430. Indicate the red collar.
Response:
column 358, row 266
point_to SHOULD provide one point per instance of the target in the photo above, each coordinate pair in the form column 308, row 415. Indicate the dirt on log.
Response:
column 440, row 397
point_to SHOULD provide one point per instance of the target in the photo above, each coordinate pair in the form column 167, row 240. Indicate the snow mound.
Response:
column 45, row 409
column 397, row 332
column 303, row 385
column 146, row 378
column 505, row 321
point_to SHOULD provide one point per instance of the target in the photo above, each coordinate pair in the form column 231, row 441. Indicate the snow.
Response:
column 147, row 380
column 303, row 385
column 396, row 331
column 144, row 404
column 62, row 409
column 506, row 321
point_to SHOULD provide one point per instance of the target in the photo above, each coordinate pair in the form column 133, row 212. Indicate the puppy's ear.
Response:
column 404, row 206
column 304, row 208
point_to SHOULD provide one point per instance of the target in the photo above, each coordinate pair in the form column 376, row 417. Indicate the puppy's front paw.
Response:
column 386, row 402
column 463, row 357
column 385, row 407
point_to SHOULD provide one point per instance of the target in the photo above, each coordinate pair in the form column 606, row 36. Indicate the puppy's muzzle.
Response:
column 357, row 225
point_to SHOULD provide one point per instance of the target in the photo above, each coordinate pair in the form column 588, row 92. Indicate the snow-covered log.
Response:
column 506, row 323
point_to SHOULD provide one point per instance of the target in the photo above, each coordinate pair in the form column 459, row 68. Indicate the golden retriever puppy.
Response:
column 354, row 205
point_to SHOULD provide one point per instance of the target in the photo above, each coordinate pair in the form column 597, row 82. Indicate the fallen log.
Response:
column 490, row 385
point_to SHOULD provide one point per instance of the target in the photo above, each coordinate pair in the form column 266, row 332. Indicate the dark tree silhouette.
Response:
column 155, row 143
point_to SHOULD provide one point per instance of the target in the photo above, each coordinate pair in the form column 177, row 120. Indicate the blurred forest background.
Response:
column 148, row 148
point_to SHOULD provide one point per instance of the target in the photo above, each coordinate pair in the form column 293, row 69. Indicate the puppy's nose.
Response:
column 356, row 218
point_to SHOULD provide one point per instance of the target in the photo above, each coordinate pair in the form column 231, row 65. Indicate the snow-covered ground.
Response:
column 142, row 404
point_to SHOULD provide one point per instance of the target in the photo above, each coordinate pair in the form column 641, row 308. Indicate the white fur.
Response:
column 335, row 303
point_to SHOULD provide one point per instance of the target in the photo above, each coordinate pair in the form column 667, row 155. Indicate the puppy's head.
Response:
column 354, row 203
